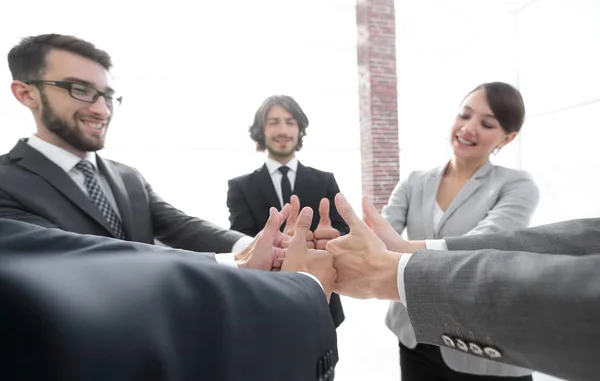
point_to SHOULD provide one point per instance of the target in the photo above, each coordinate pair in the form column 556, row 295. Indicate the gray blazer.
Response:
column 533, row 294
column 495, row 199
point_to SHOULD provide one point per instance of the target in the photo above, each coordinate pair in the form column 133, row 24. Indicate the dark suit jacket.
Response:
column 250, row 196
column 71, row 312
column 35, row 190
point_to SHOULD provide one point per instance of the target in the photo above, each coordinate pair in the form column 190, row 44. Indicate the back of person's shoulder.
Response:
column 508, row 176
column 511, row 173
column 318, row 172
column 242, row 179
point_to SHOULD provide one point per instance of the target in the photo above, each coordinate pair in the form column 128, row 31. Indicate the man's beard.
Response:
column 281, row 154
column 69, row 134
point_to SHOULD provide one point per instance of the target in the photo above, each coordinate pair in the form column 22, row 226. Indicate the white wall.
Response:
column 547, row 48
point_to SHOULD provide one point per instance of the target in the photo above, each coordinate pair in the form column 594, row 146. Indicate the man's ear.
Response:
column 26, row 94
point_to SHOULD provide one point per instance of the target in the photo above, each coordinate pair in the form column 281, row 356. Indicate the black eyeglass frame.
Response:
column 68, row 85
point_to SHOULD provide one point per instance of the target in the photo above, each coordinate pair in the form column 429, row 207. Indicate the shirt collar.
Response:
column 61, row 157
column 273, row 165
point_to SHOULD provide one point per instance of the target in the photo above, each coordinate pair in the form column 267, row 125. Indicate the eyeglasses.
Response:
column 81, row 92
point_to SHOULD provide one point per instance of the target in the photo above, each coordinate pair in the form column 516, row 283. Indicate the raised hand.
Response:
column 290, row 225
column 365, row 268
column 324, row 231
column 315, row 262
column 265, row 252
column 382, row 228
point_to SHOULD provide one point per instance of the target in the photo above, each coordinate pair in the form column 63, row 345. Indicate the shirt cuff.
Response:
column 436, row 244
column 313, row 277
column 241, row 244
column 227, row 259
column 401, row 266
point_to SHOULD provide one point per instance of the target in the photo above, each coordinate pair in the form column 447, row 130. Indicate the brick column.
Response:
column 378, row 98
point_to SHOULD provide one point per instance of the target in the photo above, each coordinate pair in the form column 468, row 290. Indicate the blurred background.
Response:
column 193, row 73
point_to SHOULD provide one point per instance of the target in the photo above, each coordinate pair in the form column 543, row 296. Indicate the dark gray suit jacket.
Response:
column 35, row 190
column 84, row 308
column 534, row 295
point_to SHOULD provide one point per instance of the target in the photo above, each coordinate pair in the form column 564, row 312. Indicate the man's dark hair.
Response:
column 27, row 60
column 257, row 129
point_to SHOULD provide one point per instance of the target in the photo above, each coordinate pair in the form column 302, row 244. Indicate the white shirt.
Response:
column 67, row 161
column 273, row 168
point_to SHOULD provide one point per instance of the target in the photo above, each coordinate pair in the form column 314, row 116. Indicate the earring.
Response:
column 496, row 150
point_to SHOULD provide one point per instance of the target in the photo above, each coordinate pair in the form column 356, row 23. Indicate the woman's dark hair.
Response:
column 506, row 103
column 257, row 129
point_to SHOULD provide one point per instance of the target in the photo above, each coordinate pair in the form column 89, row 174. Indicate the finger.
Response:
column 272, row 225
column 321, row 244
column 347, row 213
column 302, row 226
column 324, row 213
column 284, row 213
column 370, row 213
column 294, row 211
column 366, row 220
column 310, row 244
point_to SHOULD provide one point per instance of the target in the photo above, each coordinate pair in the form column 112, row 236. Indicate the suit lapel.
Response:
column 304, row 186
column 432, row 183
column 35, row 162
column 463, row 195
column 120, row 192
column 266, row 187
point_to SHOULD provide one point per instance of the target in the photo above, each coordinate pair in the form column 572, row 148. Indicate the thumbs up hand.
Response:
column 290, row 225
column 324, row 231
column 365, row 267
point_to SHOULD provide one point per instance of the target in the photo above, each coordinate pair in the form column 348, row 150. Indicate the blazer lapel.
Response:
column 429, row 199
column 266, row 187
column 35, row 162
column 120, row 192
column 304, row 186
column 463, row 195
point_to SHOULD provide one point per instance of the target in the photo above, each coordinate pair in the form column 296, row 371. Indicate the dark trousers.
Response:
column 425, row 363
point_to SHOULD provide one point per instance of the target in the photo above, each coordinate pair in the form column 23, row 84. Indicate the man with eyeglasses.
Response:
column 66, row 315
column 54, row 178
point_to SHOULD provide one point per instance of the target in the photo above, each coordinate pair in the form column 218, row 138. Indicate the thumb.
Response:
column 371, row 216
column 295, row 210
column 324, row 220
column 302, row 226
column 345, row 210
column 273, row 223
column 284, row 213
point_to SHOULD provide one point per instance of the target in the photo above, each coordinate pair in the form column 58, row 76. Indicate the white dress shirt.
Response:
column 273, row 168
column 67, row 161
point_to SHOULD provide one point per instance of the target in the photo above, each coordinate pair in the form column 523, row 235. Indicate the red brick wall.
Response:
column 378, row 98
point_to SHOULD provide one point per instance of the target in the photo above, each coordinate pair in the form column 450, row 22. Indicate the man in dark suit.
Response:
column 73, row 309
column 279, row 127
column 55, row 178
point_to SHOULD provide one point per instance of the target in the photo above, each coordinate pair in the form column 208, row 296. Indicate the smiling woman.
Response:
column 467, row 195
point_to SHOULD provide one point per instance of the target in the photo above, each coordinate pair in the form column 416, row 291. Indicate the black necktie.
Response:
column 286, row 187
